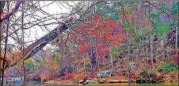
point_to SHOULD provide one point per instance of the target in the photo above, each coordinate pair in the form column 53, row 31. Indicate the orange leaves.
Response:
column 103, row 30
column 108, row 37
column 126, row 9
column 158, row 74
column 84, row 48
column 119, row 39
column 128, row 18
column 128, row 14
column 97, row 27
column 53, row 67
column 110, row 25
column 115, row 39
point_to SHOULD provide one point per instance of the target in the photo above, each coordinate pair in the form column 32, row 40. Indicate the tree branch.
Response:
column 5, row 16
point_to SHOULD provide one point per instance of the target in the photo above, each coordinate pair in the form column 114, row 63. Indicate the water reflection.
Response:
column 122, row 84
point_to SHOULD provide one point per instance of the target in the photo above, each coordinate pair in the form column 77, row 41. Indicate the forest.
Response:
column 122, row 42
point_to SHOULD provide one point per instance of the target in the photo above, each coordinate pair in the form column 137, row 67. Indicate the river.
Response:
column 35, row 83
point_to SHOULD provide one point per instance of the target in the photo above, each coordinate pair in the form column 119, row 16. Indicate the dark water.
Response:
column 19, row 83
column 33, row 83
column 125, row 84
column 121, row 84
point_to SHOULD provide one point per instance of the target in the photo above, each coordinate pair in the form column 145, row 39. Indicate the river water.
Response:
column 125, row 84
column 122, row 84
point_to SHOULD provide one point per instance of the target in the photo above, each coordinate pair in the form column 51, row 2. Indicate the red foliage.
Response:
column 84, row 48
column 108, row 37
column 102, row 50
column 96, row 17
column 118, row 39
column 97, row 27
column 104, row 30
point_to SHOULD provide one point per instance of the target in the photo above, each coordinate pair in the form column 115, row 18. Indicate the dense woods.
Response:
column 70, row 42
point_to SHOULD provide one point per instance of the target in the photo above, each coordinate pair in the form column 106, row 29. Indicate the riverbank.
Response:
column 109, row 81
column 115, row 84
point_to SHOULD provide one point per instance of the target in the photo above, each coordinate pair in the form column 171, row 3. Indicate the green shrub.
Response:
column 144, row 74
column 168, row 68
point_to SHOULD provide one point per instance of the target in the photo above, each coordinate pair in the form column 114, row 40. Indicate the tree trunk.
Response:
column 22, row 43
column 2, row 3
column 151, row 50
column 176, row 45
column 110, row 53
